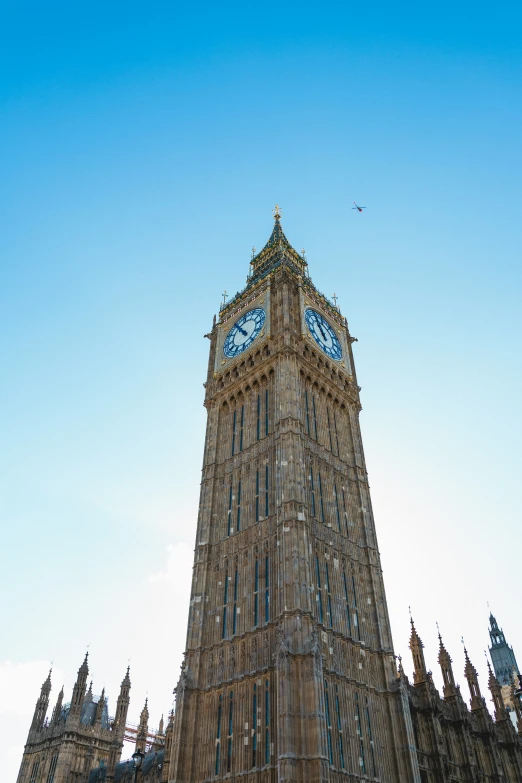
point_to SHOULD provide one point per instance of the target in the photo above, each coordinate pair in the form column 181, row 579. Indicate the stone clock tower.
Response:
column 289, row 673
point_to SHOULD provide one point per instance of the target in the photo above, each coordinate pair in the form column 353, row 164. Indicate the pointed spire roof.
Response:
column 277, row 250
column 416, row 646
column 469, row 669
column 161, row 725
column 444, row 655
column 415, row 639
column 126, row 680
column 46, row 685
column 84, row 668
column 144, row 717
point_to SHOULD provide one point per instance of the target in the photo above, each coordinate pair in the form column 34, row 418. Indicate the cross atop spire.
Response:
column 277, row 212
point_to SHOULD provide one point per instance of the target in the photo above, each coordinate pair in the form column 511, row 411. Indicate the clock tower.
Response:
column 289, row 673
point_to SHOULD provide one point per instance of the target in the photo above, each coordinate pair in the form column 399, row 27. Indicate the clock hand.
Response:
column 242, row 331
column 321, row 330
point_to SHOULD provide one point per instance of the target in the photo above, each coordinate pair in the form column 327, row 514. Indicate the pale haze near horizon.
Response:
column 143, row 153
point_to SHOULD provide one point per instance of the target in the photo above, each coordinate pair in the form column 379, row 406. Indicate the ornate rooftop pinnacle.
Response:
column 415, row 639
column 276, row 251
column 47, row 683
column 416, row 645
column 126, row 680
column 84, row 668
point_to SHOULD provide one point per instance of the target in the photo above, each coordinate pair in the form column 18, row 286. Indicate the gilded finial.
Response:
column 253, row 252
column 277, row 212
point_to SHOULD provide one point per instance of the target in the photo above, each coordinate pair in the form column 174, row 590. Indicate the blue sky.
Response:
column 143, row 148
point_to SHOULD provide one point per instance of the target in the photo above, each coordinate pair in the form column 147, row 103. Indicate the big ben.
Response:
column 289, row 672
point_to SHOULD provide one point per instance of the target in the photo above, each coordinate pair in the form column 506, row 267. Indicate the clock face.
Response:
column 244, row 332
column 323, row 334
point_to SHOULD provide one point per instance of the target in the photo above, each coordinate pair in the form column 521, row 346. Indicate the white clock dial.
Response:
column 323, row 334
column 244, row 332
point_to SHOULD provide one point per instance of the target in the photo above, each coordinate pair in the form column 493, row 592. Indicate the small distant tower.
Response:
column 502, row 655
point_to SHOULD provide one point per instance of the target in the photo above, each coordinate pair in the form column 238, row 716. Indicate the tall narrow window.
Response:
column 258, row 425
column 339, row 728
column 312, row 490
column 344, row 509
column 362, row 760
column 328, row 723
column 266, row 491
column 218, row 735
column 356, row 611
column 266, row 412
column 321, row 496
column 329, row 615
column 225, row 601
column 234, row 432
column 319, row 594
column 337, row 509
column 329, row 428
column 254, row 726
column 267, row 722
column 229, row 517
column 34, row 772
column 52, row 769
column 257, row 495
column 234, row 616
column 315, row 415
column 230, row 730
column 256, row 594
column 370, row 737
column 347, row 601
column 267, row 593
column 307, row 412
column 242, row 423
column 335, row 430
column 238, row 527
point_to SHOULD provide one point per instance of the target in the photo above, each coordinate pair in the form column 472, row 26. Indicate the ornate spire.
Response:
column 416, row 647
column 161, row 725
column 46, row 686
column 143, row 728
column 84, row 668
column 472, row 677
column 88, row 695
column 496, row 693
column 100, row 706
column 58, row 707
column 126, row 680
column 42, row 704
column 450, row 689
column 277, row 250
column 79, row 690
